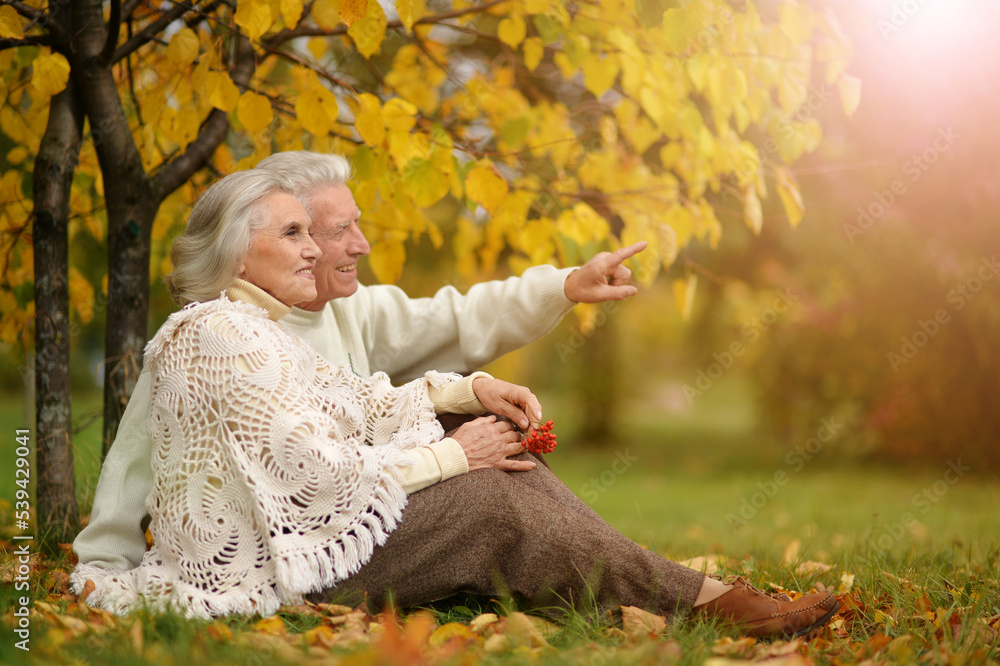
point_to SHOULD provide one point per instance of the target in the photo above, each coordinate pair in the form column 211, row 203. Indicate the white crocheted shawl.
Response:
column 275, row 473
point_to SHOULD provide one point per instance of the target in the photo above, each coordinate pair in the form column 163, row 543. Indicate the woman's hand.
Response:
column 515, row 402
column 488, row 443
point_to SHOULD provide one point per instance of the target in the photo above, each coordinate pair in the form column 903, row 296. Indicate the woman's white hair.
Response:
column 208, row 255
column 308, row 171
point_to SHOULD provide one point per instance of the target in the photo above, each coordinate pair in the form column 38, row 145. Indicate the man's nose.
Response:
column 359, row 244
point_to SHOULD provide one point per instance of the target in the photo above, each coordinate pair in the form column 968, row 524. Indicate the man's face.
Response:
column 335, row 230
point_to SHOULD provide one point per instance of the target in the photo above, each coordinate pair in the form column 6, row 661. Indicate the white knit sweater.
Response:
column 275, row 473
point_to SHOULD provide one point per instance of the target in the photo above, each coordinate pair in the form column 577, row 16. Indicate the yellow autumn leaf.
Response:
column 254, row 16
column 512, row 31
column 486, row 187
column 849, row 88
column 666, row 236
column 368, row 120
column 582, row 224
column 183, row 48
column 684, row 291
column 450, row 631
column 10, row 23
column 399, row 115
column 796, row 21
column 49, row 72
column 81, row 295
column 273, row 626
column 222, row 92
column 352, row 11
column 404, row 8
column 403, row 147
column 326, row 13
column 599, row 73
column 291, row 12
column 638, row 623
column 17, row 155
column 386, row 260
column 316, row 108
column 425, row 182
column 681, row 25
column 254, row 111
column 753, row 214
column 791, row 197
column 533, row 50
column 367, row 32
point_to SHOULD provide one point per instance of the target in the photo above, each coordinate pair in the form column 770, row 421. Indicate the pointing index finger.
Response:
column 630, row 251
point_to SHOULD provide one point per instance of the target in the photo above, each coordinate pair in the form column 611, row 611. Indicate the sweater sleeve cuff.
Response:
column 457, row 397
column 451, row 456
column 553, row 294
column 433, row 463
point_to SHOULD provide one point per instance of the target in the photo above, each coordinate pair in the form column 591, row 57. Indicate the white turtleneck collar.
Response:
column 254, row 295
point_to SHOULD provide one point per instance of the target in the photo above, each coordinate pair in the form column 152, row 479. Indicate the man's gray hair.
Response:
column 208, row 255
column 308, row 171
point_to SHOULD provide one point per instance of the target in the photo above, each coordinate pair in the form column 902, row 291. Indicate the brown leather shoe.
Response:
column 769, row 615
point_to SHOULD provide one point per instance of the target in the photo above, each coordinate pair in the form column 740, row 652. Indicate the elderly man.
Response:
column 486, row 531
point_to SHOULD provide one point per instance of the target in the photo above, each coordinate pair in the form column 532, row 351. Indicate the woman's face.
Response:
column 282, row 253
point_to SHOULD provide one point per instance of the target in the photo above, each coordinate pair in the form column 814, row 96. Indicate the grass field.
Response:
column 913, row 553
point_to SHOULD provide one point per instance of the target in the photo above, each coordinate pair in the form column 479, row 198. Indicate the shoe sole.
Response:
column 819, row 623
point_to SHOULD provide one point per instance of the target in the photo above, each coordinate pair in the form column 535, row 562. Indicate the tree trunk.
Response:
column 57, row 513
column 128, row 308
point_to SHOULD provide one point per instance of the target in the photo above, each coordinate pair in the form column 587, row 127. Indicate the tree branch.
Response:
column 40, row 40
column 114, row 29
column 129, row 7
column 24, row 10
column 151, row 31
column 212, row 132
column 285, row 35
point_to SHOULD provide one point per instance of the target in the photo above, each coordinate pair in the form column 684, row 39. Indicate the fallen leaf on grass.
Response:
column 733, row 647
column 522, row 630
column 637, row 623
column 707, row 564
column 497, row 643
column 902, row 581
column 481, row 622
column 787, row 660
column 135, row 633
column 451, row 632
column 791, row 555
column 88, row 587
column 321, row 636
column 812, row 568
column 272, row 626
column 279, row 649
column 220, row 632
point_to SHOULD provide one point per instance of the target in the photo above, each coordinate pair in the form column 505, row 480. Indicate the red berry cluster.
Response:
column 540, row 439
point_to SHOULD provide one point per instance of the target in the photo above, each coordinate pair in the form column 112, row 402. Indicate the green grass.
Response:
column 915, row 540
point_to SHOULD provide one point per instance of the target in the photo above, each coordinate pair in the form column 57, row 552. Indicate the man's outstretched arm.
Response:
column 459, row 333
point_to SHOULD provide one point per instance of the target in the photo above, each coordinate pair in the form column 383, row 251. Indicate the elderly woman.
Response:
column 278, row 475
